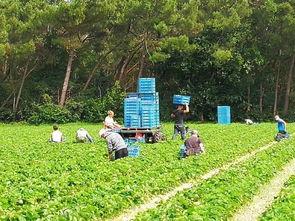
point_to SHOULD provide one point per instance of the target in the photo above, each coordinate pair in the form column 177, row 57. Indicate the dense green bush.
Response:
column 6, row 115
column 95, row 110
column 50, row 113
column 76, row 109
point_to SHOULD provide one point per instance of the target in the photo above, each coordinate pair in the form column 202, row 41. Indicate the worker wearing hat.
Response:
column 115, row 144
column 194, row 144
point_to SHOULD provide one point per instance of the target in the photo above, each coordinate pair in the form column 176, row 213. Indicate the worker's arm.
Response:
column 172, row 115
column 202, row 147
column 186, row 109
column 110, row 149
column 110, row 156
column 285, row 125
column 89, row 137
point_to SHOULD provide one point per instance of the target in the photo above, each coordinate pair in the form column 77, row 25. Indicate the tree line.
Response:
column 62, row 59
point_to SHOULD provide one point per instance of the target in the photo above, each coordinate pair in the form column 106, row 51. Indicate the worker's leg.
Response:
column 182, row 131
column 121, row 153
column 176, row 131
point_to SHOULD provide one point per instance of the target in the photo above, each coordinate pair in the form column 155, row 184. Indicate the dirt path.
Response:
column 153, row 203
column 266, row 196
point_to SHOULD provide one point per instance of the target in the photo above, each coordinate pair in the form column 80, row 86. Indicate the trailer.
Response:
column 148, row 135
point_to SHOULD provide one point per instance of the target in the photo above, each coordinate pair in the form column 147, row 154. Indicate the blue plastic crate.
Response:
column 154, row 97
column 132, row 120
column 146, row 85
column 133, row 150
column 181, row 99
column 223, row 114
column 132, row 95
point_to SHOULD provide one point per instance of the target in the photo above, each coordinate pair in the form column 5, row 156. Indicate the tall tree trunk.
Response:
column 275, row 106
column 19, row 92
column 26, row 73
column 289, row 82
column 249, row 98
column 98, row 62
column 141, row 68
column 261, row 98
column 5, row 102
column 67, row 78
column 91, row 76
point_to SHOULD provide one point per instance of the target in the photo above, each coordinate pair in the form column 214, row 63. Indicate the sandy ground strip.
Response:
column 266, row 195
column 153, row 203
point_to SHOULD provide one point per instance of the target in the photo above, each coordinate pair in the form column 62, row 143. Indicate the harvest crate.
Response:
column 147, row 85
column 223, row 114
column 181, row 99
column 133, row 150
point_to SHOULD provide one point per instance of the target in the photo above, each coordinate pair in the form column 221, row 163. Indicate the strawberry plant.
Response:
column 41, row 180
column 221, row 196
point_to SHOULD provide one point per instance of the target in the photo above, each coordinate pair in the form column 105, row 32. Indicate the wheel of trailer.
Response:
column 158, row 136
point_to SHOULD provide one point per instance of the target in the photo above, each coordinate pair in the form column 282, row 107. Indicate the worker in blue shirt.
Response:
column 282, row 126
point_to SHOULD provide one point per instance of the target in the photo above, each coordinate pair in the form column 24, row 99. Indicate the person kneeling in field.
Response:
column 193, row 145
column 115, row 143
column 56, row 135
column 282, row 128
column 83, row 136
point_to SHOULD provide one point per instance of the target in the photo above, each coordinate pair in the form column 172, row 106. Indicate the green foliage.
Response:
column 282, row 208
column 50, row 113
column 95, row 110
column 221, row 196
column 58, row 181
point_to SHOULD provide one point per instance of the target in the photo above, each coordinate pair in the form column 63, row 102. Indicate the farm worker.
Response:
column 83, row 136
column 194, row 144
column 178, row 125
column 115, row 143
column 248, row 121
column 282, row 126
column 109, row 121
column 56, row 135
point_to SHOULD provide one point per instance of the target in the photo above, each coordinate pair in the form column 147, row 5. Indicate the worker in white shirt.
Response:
column 56, row 135
column 83, row 136
column 109, row 121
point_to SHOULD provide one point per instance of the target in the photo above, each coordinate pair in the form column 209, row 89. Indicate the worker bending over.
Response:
column 115, row 143
column 83, row 136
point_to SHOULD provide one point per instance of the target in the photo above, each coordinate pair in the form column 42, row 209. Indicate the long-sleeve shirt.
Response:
column 115, row 142
column 194, row 142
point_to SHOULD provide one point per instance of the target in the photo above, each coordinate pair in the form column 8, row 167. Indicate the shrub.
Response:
column 50, row 113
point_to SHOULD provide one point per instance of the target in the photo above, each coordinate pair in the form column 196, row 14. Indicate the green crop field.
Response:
column 71, row 181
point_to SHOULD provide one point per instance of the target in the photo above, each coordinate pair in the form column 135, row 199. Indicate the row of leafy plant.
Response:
column 284, row 207
column 221, row 196
column 64, row 181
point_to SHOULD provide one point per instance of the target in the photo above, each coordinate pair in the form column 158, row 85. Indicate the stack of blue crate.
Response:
column 132, row 112
column 223, row 114
column 149, row 112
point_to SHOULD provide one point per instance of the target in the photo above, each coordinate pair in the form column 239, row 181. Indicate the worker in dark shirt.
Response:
column 178, row 125
column 194, row 144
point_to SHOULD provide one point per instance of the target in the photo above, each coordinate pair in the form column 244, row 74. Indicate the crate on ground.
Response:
column 181, row 99
column 223, row 114
column 129, row 141
column 146, row 85
column 133, row 150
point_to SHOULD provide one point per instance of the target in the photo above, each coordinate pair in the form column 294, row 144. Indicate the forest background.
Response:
column 66, row 61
